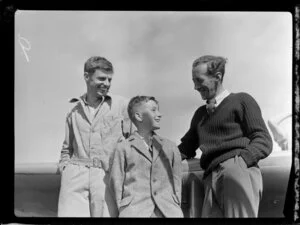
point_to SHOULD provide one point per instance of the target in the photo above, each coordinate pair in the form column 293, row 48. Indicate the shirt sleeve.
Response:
column 117, row 172
column 189, row 142
column 67, row 148
column 255, row 129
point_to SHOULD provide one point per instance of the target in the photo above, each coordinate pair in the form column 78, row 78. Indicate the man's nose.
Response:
column 106, row 82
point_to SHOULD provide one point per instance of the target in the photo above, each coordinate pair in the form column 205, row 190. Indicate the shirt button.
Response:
column 154, row 180
column 155, row 193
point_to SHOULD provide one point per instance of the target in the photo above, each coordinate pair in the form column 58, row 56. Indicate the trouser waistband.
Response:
column 93, row 162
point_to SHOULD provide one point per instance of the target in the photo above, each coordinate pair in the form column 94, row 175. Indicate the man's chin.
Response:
column 100, row 94
column 203, row 97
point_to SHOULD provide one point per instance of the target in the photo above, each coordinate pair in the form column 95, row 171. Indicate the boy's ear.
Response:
column 138, row 116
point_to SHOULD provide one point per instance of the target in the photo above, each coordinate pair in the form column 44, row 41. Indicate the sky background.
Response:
column 152, row 54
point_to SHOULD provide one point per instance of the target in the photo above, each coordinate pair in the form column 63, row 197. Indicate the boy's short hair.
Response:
column 136, row 102
column 100, row 63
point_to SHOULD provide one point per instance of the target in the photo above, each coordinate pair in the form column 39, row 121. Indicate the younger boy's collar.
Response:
column 137, row 133
column 143, row 139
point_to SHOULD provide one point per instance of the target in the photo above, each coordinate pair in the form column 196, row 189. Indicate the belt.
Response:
column 94, row 162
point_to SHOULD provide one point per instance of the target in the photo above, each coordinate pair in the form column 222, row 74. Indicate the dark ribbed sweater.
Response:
column 235, row 128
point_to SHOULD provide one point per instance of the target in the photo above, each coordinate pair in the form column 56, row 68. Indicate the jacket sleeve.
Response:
column 255, row 129
column 67, row 147
column 189, row 142
column 117, row 172
column 177, row 172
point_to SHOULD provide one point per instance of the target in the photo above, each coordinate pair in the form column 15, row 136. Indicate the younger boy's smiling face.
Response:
column 151, row 115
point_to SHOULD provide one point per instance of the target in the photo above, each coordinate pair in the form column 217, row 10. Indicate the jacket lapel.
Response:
column 156, row 146
column 140, row 146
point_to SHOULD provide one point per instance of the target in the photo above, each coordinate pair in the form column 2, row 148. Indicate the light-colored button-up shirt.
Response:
column 89, row 136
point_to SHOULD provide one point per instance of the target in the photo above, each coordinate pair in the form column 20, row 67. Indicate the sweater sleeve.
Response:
column 189, row 142
column 255, row 129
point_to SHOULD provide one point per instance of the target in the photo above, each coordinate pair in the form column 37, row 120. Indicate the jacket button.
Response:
column 154, row 180
column 155, row 193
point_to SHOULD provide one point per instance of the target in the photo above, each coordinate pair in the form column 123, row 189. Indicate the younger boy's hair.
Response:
column 136, row 102
column 100, row 63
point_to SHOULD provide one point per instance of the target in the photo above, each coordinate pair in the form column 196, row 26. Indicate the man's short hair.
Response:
column 214, row 64
column 100, row 63
column 136, row 102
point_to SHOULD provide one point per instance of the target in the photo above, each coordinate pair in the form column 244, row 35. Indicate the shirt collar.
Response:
column 143, row 139
column 137, row 134
column 221, row 96
column 107, row 98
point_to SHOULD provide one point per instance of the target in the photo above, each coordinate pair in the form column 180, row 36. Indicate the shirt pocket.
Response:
column 125, row 201
column 112, row 126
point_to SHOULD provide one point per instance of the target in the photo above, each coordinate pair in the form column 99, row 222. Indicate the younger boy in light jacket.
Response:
column 146, row 169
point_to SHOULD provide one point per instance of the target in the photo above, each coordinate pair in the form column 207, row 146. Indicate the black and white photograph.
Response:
column 152, row 114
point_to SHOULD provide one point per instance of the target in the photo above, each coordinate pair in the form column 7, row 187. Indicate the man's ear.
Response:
column 138, row 116
column 86, row 76
column 219, row 76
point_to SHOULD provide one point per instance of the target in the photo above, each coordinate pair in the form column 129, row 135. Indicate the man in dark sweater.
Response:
column 233, row 137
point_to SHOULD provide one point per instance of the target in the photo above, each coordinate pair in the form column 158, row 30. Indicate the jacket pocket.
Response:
column 126, row 201
column 175, row 198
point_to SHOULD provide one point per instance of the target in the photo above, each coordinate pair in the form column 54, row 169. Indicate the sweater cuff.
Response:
column 248, row 158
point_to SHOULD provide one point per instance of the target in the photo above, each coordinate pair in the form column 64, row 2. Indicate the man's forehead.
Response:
column 99, row 73
column 201, row 68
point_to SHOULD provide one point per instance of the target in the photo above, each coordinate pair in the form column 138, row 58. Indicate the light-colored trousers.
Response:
column 232, row 190
column 157, row 213
column 84, row 193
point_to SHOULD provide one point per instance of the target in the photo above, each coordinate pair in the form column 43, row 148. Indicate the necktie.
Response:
column 210, row 107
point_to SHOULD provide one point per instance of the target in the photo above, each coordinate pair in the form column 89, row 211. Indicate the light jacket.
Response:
column 87, row 138
column 140, row 181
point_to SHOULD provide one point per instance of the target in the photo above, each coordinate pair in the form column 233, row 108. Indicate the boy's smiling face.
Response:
column 150, row 115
